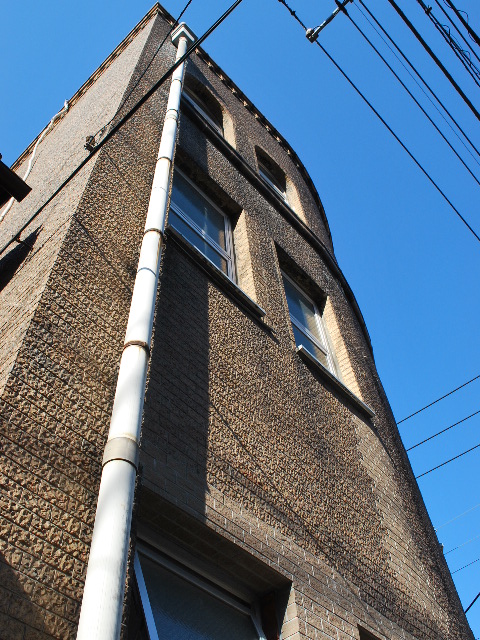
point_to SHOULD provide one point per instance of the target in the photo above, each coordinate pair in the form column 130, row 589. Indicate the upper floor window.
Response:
column 307, row 324
column 272, row 174
column 202, row 223
column 203, row 102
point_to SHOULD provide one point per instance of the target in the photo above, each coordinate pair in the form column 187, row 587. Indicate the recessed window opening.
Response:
column 179, row 603
column 203, row 102
column 307, row 324
column 272, row 174
column 202, row 223
column 366, row 635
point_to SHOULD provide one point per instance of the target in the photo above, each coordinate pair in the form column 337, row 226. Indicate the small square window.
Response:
column 179, row 603
column 307, row 324
column 272, row 174
column 207, row 106
column 202, row 223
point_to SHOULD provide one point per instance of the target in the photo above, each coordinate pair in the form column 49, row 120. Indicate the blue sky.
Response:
column 411, row 263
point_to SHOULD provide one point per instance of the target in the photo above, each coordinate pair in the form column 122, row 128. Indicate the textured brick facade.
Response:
column 245, row 446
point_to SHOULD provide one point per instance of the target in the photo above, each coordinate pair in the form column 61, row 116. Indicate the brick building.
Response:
column 274, row 496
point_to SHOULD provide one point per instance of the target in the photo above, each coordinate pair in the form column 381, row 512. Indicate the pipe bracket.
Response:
column 121, row 448
column 138, row 343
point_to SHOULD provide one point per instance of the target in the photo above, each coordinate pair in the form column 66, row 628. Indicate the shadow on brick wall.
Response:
column 175, row 432
column 19, row 617
column 13, row 260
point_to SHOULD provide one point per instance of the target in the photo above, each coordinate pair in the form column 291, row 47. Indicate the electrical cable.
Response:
column 435, row 58
column 125, row 118
column 387, row 126
column 457, row 29
column 49, row 126
column 443, row 431
column 438, row 399
column 444, row 31
column 472, row 603
column 460, row 455
column 460, row 53
column 412, row 97
column 471, row 32
column 173, row 26
column 424, row 82
column 465, row 566
column 462, row 545
column 66, row 106
column 460, row 515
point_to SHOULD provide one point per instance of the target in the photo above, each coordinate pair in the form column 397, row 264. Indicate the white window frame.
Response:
column 227, row 254
column 186, row 574
column 269, row 178
column 191, row 98
column 324, row 348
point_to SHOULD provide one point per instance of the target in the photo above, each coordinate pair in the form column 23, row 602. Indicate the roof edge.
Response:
column 226, row 80
column 156, row 9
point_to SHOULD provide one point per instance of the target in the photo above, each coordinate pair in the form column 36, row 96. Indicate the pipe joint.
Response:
column 138, row 343
column 121, row 448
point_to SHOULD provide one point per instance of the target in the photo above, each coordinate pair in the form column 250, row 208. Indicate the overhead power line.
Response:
column 132, row 89
column 460, row 455
column 444, row 31
column 462, row 545
column 125, row 118
column 365, row 37
column 443, row 431
column 471, row 32
column 438, row 399
column 435, row 58
column 420, row 77
column 440, row 6
column 383, row 121
column 465, row 566
column 460, row 515
column 472, row 603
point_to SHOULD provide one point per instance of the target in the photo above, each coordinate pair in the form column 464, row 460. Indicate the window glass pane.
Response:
column 194, row 205
column 194, row 238
column 186, row 612
column 270, row 178
column 200, row 105
column 302, row 309
column 301, row 339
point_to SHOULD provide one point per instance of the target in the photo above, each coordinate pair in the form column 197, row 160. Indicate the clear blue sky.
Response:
column 411, row 263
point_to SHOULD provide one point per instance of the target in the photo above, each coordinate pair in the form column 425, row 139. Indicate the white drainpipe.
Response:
column 102, row 603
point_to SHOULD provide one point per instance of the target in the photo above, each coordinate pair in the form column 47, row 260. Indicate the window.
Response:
column 206, row 105
column 366, row 635
column 202, row 223
column 179, row 603
column 272, row 174
column 307, row 324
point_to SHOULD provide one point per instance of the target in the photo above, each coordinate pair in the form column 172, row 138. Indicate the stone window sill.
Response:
column 217, row 276
column 343, row 391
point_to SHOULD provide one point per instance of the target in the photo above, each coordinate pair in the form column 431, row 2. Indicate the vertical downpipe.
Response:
column 102, row 604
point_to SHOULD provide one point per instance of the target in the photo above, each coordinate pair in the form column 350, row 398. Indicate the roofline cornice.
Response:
column 157, row 9
column 268, row 126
